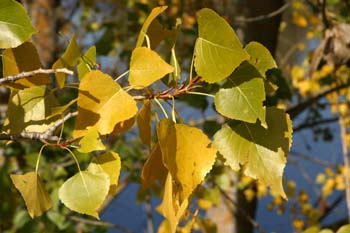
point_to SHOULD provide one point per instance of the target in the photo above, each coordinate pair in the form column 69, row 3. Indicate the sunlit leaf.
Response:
column 28, row 110
column 153, row 169
column 15, row 26
column 187, row 153
column 91, row 142
column 262, row 152
column 244, row 98
column 102, row 107
column 344, row 229
column 154, row 13
column 85, row 192
column 260, row 57
column 218, row 51
column 87, row 62
column 146, row 67
column 33, row 192
column 68, row 60
column 108, row 163
column 144, row 123
column 20, row 59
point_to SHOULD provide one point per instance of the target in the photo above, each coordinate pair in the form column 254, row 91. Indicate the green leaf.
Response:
column 56, row 111
column 144, row 123
column 33, row 192
column 262, row 152
column 91, row 142
column 68, row 60
column 28, row 110
column 87, row 62
column 110, row 164
column 245, row 98
column 154, row 13
column 187, row 154
column 146, row 67
column 15, row 26
column 260, row 57
column 102, row 107
column 20, row 59
column 85, row 192
column 218, row 51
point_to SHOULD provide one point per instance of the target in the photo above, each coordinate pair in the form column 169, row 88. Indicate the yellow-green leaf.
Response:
column 68, row 60
column 15, row 25
column 261, row 151
column 108, row 163
column 144, row 123
column 344, row 229
column 146, row 67
column 187, row 153
column 87, row 62
column 218, row 51
column 20, row 59
column 85, row 192
column 154, row 13
column 33, row 192
column 56, row 111
column 91, row 142
column 102, row 103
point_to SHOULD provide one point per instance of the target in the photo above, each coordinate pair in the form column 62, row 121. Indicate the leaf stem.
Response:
column 74, row 157
column 38, row 159
column 192, row 63
column 173, row 110
column 122, row 75
column 161, row 107
column 148, row 41
column 200, row 93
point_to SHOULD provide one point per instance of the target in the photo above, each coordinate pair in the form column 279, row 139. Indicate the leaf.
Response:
column 110, row 164
column 245, row 98
column 154, row 13
column 68, row 60
column 260, row 57
column 123, row 126
column 91, row 142
column 28, row 110
column 86, row 62
column 261, row 151
column 154, row 169
column 33, row 192
column 218, row 51
column 15, row 25
column 187, row 154
column 144, row 123
column 20, row 59
column 56, row 111
column 344, row 229
column 146, row 67
column 102, row 104
column 85, row 192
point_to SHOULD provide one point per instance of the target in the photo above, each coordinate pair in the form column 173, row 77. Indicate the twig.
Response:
column 27, row 74
column 58, row 123
column 330, row 207
column 315, row 123
column 314, row 160
column 99, row 223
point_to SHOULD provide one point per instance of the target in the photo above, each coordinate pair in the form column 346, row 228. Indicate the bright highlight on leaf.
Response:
column 15, row 25
column 102, row 103
column 91, row 142
column 85, row 192
column 146, row 67
column 261, row 151
column 33, row 192
column 218, row 51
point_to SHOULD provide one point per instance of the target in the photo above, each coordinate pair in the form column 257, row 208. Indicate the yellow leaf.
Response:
column 328, row 187
column 204, row 204
column 123, row 126
column 102, row 104
column 146, row 67
column 91, row 142
column 299, row 20
column 144, row 123
column 33, row 192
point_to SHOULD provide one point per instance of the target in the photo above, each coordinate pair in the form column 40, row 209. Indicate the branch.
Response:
column 332, row 206
column 27, row 74
column 58, row 123
column 315, row 123
column 99, row 223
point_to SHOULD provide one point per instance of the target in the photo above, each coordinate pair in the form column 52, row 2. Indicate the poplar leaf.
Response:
column 68, row 60
column 153, row 169
column 56, row 111
column 123, row 126
column 20, row 59
column 87, row 62
column 245, row 98
column 15, row 25
column 33, row 192
column 154, row 13
column 144, row 123
column 218, row 51
column 102, row 103
column 85, row 192
column 262, row 152
column 146, row 67
column 110, row 164
column 91, row 142
column 187, row 154
column 260, row 57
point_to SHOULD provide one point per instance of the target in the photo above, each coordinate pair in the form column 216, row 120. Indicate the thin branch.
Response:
column 314, row 160
column 332, row 206
column 315, row 123
column 12, row 78
column 58, row 123
column 100, row 223
column 263, row 17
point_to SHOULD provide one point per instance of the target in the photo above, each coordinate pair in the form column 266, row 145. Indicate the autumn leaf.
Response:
column 86, row 62
column 144, row 123
column 90, row 142
column 33, row 192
